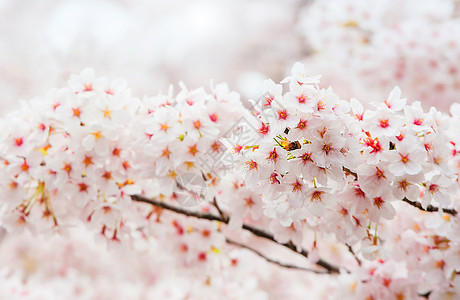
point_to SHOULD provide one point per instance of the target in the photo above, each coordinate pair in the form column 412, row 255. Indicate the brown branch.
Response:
column 284, row 265
column 350, row 172
column 354, row 254
column 221, row 213
column 179, row 210
column 430, row 208
column 256, row 231
column 425, row 295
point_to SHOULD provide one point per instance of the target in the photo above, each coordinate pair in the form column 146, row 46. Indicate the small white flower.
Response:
column 407, row 158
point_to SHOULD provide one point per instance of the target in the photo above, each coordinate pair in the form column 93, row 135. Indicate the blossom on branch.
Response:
column 198, row 174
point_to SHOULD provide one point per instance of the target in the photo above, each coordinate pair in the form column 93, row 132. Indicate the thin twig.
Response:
column 430, row 208
column 256, row 231
column 284, row 265
column 179, row 210
column 221, row 213
column 350, row 249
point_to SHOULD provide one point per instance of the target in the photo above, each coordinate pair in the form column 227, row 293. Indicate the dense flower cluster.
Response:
column 332, row 163
column 326, row 165
column 79, row 152
column 316, row 171
column 377, row 43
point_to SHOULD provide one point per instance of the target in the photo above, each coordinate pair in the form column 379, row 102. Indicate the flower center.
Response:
column 359, row 192
column 268, row 100
column 166, row 152
column 418, row 121
column 272, row 156
column 297, row 186
column 97, row 134
column 88, row 160
column 18, row 142
column 383, row 123
column 327, row 148
column 378, row 201
column 379, row 173
column 306, row 157
column 88, row 87
column 273, row 179
column 264, row 128
column 302, row 98
column 316, row 196
column 302, row 124
column 249, row 202
column 282, row 114
column 320, row 105
column 403, row 185
column 404, row 158
column 76, row 112
column 213, row 117
column 193, row 150
column 251, row 165
column 434, row 188
column 83, row 187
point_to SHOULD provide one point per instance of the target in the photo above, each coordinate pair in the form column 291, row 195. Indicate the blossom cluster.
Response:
column 79, row 152
column 330, row 166
column 378, row 43
column 318, row 172
column 337, row 166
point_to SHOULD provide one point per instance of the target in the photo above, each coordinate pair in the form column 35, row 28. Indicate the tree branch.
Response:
column 179, row 210
column 350, row 249
column 350, row 172
column 221, row 213
column 430, row 208
column 256, row 231
column 284, row 265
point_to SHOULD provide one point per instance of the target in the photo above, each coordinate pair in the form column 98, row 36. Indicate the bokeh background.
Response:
column 149, row 43
column 362, row 48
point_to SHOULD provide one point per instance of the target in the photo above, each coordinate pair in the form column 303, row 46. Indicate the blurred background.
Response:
column 149, row 43
column 362, row 48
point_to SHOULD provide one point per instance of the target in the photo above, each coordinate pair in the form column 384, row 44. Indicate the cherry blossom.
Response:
column 367, row 197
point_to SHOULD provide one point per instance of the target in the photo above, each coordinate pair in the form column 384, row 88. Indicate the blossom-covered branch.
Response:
column 301, row 168
column 430, row 208
column 256, row 231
